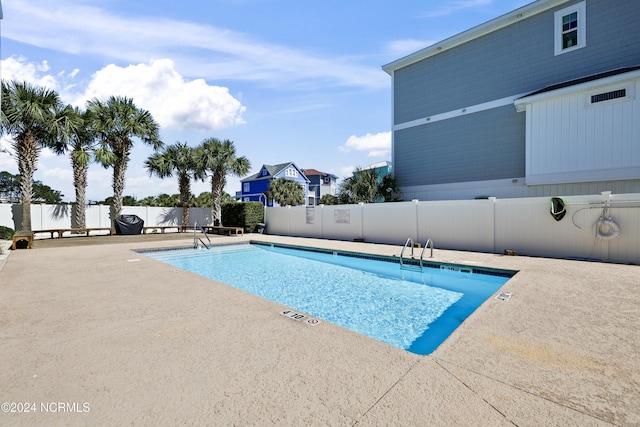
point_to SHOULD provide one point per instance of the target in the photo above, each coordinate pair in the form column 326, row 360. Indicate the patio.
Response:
column 118, row 338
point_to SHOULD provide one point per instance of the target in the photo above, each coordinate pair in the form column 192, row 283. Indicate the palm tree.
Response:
column 129, row 201
column 368, row 186
column 226, row 198
column 9, row 186
column 286, row 192
column 219, row 159
column 116, row 121
column 328, row 199
column 177, row 159
column 32, row 115
column 360, row 187
column 203, row 200
column 168, row 200
column 388, row 189
column 80, row 137
column 148, row 201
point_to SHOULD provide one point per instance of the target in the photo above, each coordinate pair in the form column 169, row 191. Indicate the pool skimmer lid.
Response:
column 504, row 296
column 299, row 317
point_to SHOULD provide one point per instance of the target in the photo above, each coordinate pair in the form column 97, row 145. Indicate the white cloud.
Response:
column 450, row 7
column 100, row 182
column 44, row 66
column 140, row 186
column 173, row 101
column 64, row 174
column 17, row 68
column 216, row 53
column 46, row 153
column 7, row 160
column 406, row 47
column 347, row 171
column 378, row 145
column 6, row 145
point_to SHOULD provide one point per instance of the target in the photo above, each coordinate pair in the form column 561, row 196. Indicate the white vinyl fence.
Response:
column 493, row 225
column 46, row 217
column 524, row 225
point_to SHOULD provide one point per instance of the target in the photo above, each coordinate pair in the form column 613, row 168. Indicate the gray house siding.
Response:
column 480, row 146
column 517, row 59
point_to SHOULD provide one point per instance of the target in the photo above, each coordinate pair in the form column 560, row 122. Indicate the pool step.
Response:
column 410, row 267
column 410, row 243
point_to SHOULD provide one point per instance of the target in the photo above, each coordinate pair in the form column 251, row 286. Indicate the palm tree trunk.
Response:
column 214, row 203
column 119, row 169
column 184, row 183
column 78, row 210
column 27, row 156
column 217, row 185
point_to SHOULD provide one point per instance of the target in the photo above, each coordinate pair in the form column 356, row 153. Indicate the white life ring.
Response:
column 606, row 229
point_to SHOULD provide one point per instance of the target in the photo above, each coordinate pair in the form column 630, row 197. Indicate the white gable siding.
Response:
column 568, row 139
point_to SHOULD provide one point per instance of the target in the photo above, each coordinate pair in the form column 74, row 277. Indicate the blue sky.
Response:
column 284, row 80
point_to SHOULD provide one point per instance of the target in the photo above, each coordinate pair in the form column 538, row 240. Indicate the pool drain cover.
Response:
column 504, row 296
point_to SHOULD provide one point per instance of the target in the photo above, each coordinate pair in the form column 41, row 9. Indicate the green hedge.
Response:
column 6, row 233
column 243, row 214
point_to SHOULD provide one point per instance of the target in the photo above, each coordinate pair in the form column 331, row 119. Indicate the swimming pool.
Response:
column 407, row 308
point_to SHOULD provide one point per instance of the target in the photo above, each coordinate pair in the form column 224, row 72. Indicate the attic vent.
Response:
column 601, row 97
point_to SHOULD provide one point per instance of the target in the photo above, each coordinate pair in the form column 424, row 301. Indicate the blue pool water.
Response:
column 412, row 310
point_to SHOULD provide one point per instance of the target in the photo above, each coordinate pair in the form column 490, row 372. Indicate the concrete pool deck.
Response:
column 95, row 334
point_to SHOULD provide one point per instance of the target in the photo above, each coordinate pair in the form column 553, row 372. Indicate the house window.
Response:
column 291, row 172
column 570, row 28
column 246, row 187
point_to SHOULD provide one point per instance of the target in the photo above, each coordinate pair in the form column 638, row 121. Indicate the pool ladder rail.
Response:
column 409, row 242
column 197, row 239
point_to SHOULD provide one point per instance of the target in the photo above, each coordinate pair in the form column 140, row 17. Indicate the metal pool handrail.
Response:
column 409, row 241
column 196, row 239
column 426, row 245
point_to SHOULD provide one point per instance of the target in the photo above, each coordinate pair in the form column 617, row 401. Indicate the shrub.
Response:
column 6, row 233
column 243, row 214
